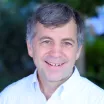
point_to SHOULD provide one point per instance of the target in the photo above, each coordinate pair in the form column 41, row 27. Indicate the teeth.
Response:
column 54, row 64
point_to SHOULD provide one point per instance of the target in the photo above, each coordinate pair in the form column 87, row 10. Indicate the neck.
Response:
column 49, row 87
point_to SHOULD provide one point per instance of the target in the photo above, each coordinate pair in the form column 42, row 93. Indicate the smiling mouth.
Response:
column 54, row 64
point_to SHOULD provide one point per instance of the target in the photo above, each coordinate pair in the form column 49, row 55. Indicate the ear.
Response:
column 79, row 52
column 29, row 48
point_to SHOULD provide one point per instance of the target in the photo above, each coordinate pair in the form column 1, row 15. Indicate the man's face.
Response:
column 54, row 51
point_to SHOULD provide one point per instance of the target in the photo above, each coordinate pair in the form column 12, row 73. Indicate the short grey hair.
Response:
column 55, row 14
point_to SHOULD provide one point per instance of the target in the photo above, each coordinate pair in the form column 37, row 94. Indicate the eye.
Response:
column 46, row 41
column 67, row 43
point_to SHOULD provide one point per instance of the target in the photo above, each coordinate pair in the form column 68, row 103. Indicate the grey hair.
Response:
column 55, row 14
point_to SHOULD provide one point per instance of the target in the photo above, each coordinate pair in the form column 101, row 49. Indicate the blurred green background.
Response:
column 14, row 60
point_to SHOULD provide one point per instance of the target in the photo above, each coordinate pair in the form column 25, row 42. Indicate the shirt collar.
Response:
column 35, row 79
column 72, row 82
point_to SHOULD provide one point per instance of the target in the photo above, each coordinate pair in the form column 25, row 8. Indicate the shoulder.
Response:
column 18, row 85
column 16, row 89
column 88, row 85
column 90, row 90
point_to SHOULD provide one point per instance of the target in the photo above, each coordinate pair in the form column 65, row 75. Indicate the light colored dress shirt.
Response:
column 76, row 90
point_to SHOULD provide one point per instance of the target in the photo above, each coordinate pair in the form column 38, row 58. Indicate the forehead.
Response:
column 68, row 29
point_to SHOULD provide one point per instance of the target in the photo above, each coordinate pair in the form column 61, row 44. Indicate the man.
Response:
column 54, row 41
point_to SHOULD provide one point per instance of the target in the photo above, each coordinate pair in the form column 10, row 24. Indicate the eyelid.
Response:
column 67, row 42
column 45, row 40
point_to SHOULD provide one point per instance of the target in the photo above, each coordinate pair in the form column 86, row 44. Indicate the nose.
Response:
column 56, row 50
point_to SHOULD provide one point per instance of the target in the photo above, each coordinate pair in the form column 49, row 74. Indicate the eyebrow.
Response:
column 45, row 37
column 68, row 39
column 65, row 39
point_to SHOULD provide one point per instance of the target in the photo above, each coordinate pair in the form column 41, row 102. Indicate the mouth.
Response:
column 55, row 64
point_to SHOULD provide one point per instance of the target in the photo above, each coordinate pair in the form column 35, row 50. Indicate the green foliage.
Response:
column 95, row 61
column 14, row 60
column 73, row 3
column 19, row 2
column 12, row 35
column 86, row 7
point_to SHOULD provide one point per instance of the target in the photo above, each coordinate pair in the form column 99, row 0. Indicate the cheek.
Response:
column 39, row 55
column 40, row 52
column 71, row 54
column 43, row 50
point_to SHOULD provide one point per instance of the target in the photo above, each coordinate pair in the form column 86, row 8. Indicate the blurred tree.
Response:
column 14, row 60
column 95, row 61
column 86, row 7
column 12, row 37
